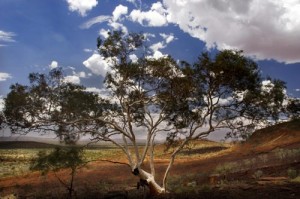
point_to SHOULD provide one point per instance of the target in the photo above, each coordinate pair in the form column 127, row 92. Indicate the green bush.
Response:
column 263, row 158
column 226, row 168
column 258, row 174
column 281, row 154
column 292, row 173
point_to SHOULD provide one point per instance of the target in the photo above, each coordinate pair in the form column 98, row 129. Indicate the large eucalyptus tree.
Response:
column 148, row 97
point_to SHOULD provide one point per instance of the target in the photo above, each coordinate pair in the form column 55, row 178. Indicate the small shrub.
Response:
column 10, row 196
column 205, row 188
column 174, row 182
column 292, row 173
column 103, row 186
column 297, row 179
column 253, row 162
column 185, row 189
column 281, row 153
column 192, row 184
column 247, row 162
column 223, row 184
column 258, row 174
column 226, row 168
column 263, row 158
column 296, row 152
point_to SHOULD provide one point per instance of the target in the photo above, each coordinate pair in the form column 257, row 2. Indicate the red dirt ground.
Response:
column 107, row 177
column 99, row 178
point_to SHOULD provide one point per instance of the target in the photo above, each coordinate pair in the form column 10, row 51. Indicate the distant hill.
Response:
column 25, row 145
column 28, row 138
column 56, row 142
column 280, row 135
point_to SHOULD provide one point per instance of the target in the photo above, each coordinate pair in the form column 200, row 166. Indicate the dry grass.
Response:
column 200, row 159
column 199, row 149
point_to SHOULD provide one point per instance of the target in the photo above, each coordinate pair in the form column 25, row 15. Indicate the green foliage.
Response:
column 59, row 158
column 226, row 168
column 205, row 188
column 296, row 180
column 224, row 91
column 281, row 153
column 292, row 173
column 258, row 174
column 118, row 46
column 183, row 183
column 221, row 92
column 263, row 158
column 49, row 104
column 293, row 108
column 229, row 69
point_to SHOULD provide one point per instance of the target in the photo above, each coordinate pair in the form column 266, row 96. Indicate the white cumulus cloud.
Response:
column 148, row 36
column 156, row 55
column 93, row 89
column 104, row 33
column 4, row 76
column 133, row 58
column 54, row 64
column 81, row 74
column 97, row 64
column 157, row 46
column 119, row 11
column 169, row 38
column 1, row 103
column 81, row 6
column 162, row 44
column 100, row 91
column 112, row 21
column 155, row 17
column 118, row 26
column 266, row 29
column 72, row 79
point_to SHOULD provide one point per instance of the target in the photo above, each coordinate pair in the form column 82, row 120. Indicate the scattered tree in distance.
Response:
column 70, row 158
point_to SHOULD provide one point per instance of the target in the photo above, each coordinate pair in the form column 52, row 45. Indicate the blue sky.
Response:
column 38, row 35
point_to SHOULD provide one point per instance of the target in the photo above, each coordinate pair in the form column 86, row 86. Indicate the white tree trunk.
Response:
column 153, row 186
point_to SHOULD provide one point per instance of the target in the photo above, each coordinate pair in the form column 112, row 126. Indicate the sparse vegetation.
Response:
column 292, row 173
column 263, row 158
column 258, row 174
column 179, row 184
column 15, row 161
column 226, row 168
column 297, row 179
column 281, row 154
